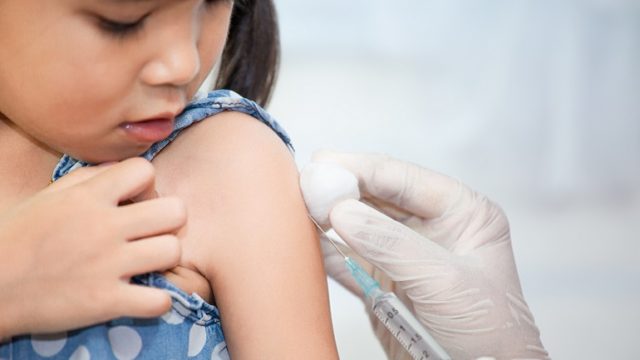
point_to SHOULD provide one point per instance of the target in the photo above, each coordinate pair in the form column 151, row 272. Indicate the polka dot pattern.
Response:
column 220, row 352
column 81, row 353
column 126, row 344
column 48, row 345
column 172, row 317
column 197, row 339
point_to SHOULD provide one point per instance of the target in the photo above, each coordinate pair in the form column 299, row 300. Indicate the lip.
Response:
column 150, row 130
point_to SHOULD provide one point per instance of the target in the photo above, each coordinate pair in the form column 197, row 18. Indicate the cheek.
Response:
column 91, row 72
column 65, row 70
column 66, row 87
column 210, row 47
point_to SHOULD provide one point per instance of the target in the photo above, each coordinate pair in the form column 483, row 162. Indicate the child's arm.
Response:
column 249, row 234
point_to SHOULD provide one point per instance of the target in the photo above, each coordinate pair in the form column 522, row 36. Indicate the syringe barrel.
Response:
column 395, row 316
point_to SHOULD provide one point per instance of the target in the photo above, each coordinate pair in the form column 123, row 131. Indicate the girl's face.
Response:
column 73, row 72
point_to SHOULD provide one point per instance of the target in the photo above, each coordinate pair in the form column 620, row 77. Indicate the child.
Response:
column 96, row 81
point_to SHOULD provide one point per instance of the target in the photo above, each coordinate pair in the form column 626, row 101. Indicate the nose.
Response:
column 177, row 62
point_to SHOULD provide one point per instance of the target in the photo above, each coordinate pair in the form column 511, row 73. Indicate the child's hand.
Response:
column 68, row 252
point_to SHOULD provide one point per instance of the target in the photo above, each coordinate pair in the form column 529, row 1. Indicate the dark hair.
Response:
column 249, row 64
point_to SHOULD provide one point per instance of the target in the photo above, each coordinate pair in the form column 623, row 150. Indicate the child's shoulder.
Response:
column 225, row 144
column 228, row 169
column 213, row 103
column 225, row 130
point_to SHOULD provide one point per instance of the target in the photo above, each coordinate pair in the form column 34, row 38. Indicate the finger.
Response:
column 125, row 180
column 142, row 301
column 151, row 254
column 408, row 186
column 147, row 194
column 78, row 176
column 389, row 245
column 152, row 217
column 390, row 209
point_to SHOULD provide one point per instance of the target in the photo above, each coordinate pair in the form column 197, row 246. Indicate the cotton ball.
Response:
column 323, row 186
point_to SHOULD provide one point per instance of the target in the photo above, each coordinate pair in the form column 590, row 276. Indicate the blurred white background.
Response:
column 535, row 103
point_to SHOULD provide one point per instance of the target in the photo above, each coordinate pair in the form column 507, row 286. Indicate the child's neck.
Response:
column 25, row 164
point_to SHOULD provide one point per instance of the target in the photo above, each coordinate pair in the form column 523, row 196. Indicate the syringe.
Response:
column 393, row 314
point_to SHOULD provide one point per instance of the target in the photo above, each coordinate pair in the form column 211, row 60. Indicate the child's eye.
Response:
column 121, row 29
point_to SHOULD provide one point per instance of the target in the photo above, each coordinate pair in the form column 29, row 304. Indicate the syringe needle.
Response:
column 328, row 237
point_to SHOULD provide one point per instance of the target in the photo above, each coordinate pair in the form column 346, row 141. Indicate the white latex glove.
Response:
column 444, row 249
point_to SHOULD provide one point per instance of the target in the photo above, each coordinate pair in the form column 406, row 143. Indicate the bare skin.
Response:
column 77, row 104
column 251, row 239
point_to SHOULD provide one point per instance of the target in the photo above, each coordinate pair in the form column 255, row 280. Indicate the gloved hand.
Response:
column 444, row 249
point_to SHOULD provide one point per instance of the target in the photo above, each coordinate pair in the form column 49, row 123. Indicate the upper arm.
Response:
column 249, row 233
